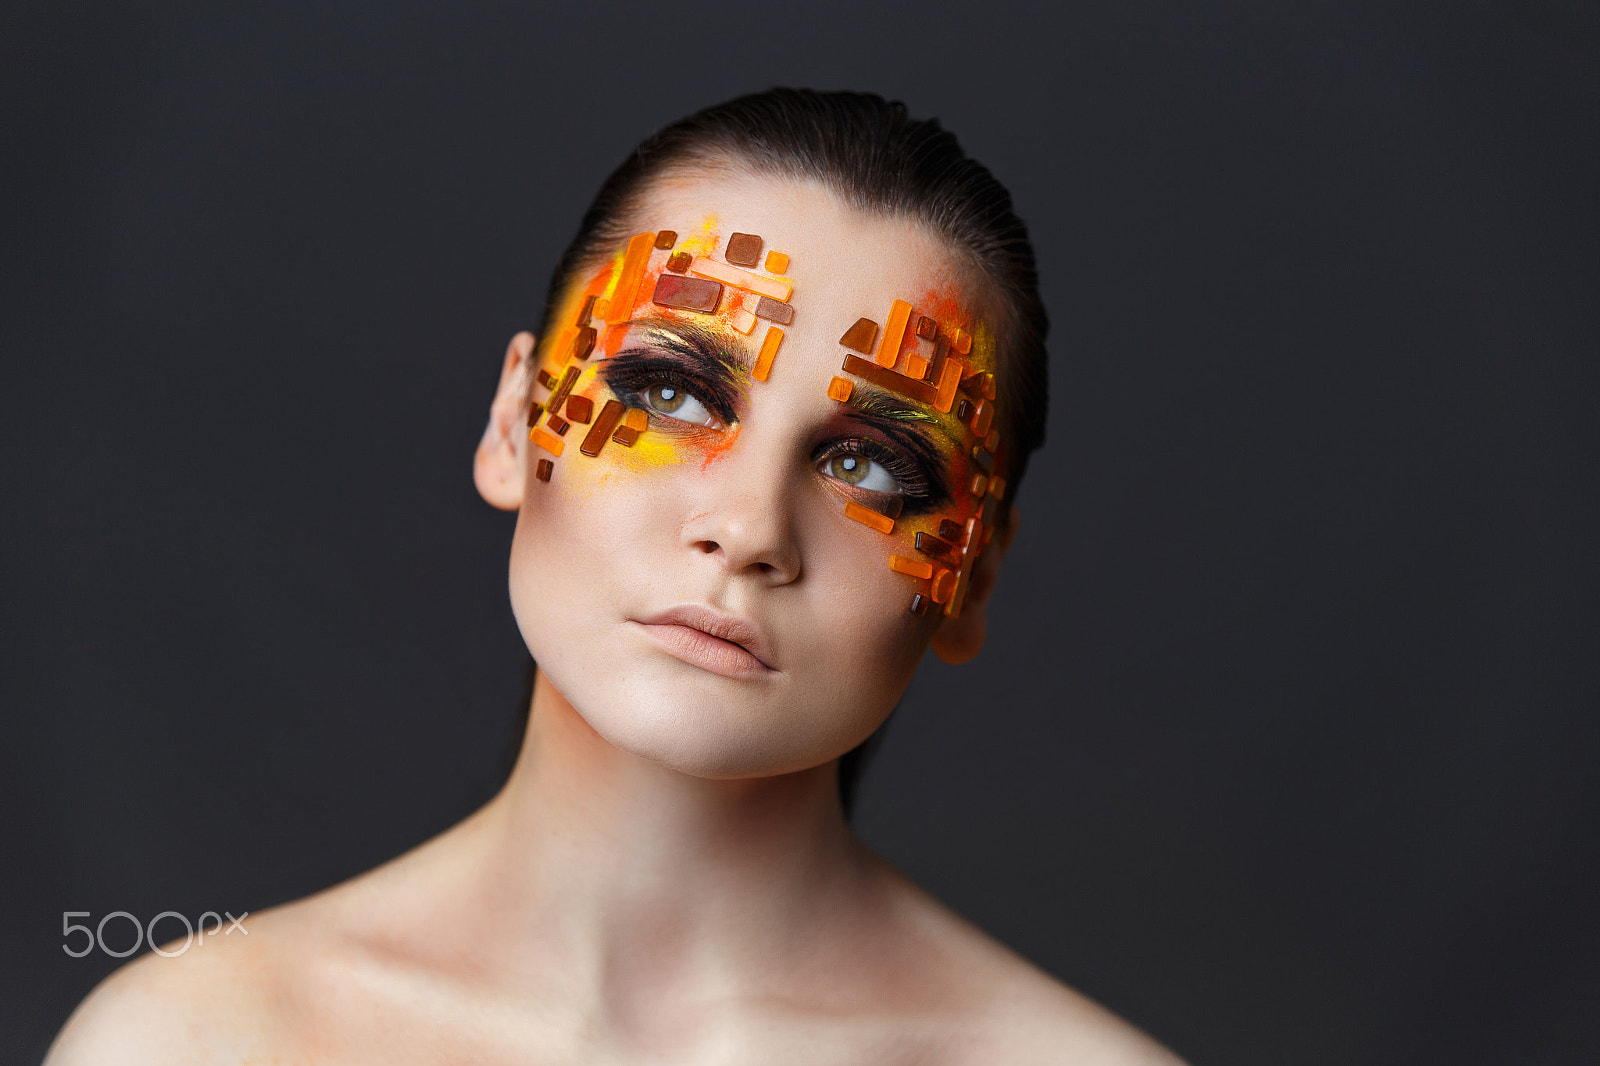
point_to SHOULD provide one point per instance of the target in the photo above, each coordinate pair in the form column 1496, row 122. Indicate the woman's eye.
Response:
column 674, row 402
column 861, row 472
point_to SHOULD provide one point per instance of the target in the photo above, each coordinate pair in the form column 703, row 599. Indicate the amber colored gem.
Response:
column 744, row 249
column 626, row 293
column 626, row 436
column 927, row 328
column 860, row 337
column 678, row 262
column 840, row 389
column 979, row 485
column 595, row 439
column 888, row 506
column 546, row 440
column 980, row 386
column 542, row 471
column 882, row 523
column 963, row 409
column 775, row 310
column 982, row 420
column 687, row 294
column 928, row 544
column 992, row 441
column 586, row 310
column 636, row 419
column 568, row 379
column 534, row 411
column 558, row 425
column 583, row 343
column 914, row 567
column 777, row 262
column 666, row 239
column 944, row 583
column 769, row 351
column 894, row 333
column 919, row 604
column 949, row 379
column 950, row 530
column 888, row 379
column 961, row 341
column 580, row 409
column 777, row 288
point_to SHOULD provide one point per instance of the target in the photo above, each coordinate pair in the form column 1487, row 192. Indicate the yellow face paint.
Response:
column 655, row 275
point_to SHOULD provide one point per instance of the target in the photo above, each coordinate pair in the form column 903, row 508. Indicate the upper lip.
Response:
column 727, row 627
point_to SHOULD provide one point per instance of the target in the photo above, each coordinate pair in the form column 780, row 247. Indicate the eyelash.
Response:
column 630, row 374
column 914, row 484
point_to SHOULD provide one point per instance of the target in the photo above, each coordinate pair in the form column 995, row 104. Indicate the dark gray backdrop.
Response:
column 1284, row 745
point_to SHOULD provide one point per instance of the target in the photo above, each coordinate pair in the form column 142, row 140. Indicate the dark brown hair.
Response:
column 871, row 154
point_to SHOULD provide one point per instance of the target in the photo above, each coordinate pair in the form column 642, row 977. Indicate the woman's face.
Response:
column 732, row 584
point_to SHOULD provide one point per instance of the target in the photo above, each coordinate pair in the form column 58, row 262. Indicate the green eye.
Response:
column 851, row 469
column 666, row 398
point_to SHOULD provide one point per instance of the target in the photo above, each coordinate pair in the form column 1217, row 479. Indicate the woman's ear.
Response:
column 959, row 639
column 498, row 466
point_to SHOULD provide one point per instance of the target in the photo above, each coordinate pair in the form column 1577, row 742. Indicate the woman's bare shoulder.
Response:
column 251, row 995
column 211, row 1003
column 1045, row 1021
column 261, row 993
column 1006, row 1009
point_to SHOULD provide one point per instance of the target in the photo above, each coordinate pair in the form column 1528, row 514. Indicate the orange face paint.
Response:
column 662, row 275
column 932, row 350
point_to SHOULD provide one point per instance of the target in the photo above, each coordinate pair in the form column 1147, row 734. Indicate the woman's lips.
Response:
column 710, row 640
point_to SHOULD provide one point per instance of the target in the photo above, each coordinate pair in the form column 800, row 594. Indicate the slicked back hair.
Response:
column 871, row 154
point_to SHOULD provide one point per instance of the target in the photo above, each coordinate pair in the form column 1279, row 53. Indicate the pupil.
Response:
column 666, row 399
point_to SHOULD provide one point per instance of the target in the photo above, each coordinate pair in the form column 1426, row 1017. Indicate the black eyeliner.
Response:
column 633, row 370
column 928, row 458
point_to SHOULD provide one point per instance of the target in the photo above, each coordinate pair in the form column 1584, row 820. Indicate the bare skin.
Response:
column 679, row 889
column 651, row 920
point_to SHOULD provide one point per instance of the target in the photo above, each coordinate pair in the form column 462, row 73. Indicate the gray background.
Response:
column 1284, row 742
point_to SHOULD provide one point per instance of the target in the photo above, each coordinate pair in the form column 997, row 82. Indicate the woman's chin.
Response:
column 712, row 739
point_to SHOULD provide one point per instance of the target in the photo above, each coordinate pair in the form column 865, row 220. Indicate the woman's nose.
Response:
column 748, row 527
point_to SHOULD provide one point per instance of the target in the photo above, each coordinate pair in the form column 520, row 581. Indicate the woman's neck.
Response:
column 635, row 879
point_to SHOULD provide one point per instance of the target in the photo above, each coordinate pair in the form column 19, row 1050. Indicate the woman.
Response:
column 763, row 453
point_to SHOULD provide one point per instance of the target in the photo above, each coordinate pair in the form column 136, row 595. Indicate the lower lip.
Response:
column 698, row 648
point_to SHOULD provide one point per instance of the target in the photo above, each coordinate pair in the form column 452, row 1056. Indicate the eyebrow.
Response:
column 885, row 410
column 696, row 342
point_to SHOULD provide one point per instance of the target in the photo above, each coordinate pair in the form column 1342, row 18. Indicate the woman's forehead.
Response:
column 838, row 256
